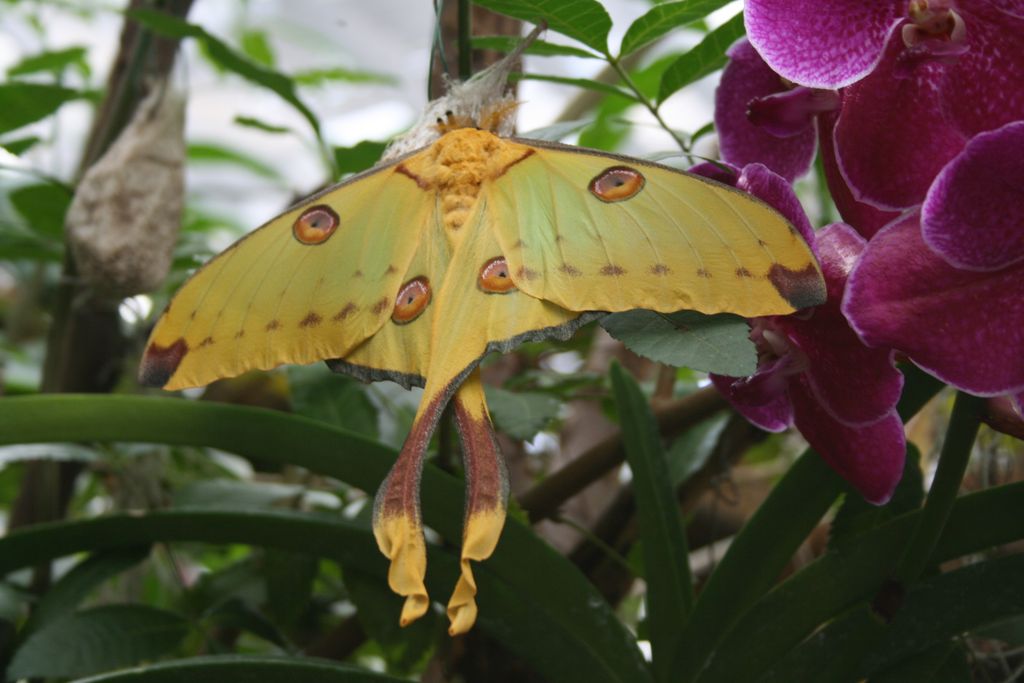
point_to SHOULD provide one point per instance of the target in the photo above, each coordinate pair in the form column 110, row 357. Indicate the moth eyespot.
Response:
column 494, row 277
column 412, row 299
column 616, row 184
column 315, row 225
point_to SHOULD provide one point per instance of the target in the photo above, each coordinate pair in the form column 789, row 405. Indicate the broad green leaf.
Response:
column 662, row 18
column 521, row 414
column 584, row 83
column 666, row 556
column 13, row 599
column 244, row 669
column 856, row 515
column 339, row 74
column 43, row 207
column 53, row 61
column 706, row 57
column 691, row 450
column 376, row 606
column 713, row 343
column 209, row 153
column 16, row 247
column 232, row 494
column 332, row 398
column 755, row 558
column 531, row 599
column 359, row 157
column 242, row 615
column 19, row 146
column 250, row 122
column 25, row 103
column 256, row 47
column 935, row 610
column 98, row 639
column 70, row 590
column 946, row 662
column 585, row 20
column 289, row 578
column 226, row 57
column 541, row 48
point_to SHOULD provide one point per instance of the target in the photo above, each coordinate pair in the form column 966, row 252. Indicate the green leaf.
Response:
column 713, row 343
column 531, row 599
column 585, row 20
column 521, row 414
column 43, row 207
column 856, row 515
column 231, row 494
column 339, row 74
column 943, row 663
column 96, row 640
column 691, row 450
column 53, row 61
column 25, row 103
column 71, row 589
column 934, row 610
column 19, row 146
column 13, row 600
column 241, row 669
column 666, row 556
column 250, row 122
column 208, row 153
column 540, row 48
column 755, row 558
column 236, row 613
column 662, row 18
column 289, row 579
column 706, row 57
column 359, row 157
column 15, row 247
column 226, row 57
column 256, row 47
column 332, row 398
column 585, row 83
column 557, row 131
column 376, row 607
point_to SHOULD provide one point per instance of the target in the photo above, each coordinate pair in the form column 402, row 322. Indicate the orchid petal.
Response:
column 984, row 88
column 973, row 215
column 869, row 456
column 853, row 383
column 965, row 327
column 821, row 43
column 772, row 414
column 745, row 78
column 774, row 190
column 865, row 219
column 891, row 138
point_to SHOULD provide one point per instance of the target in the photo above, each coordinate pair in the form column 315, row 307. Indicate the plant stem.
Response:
column 956, row 452
column 651, row 107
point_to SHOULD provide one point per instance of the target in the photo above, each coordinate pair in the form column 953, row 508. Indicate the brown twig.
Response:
column 544, row 499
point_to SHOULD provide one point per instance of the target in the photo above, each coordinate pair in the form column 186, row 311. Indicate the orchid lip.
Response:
column 789, row 113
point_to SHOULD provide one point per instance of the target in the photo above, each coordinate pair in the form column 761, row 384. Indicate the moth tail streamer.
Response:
column 486, row 497
column 397, row 522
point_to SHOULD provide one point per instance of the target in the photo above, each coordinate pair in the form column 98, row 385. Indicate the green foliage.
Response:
column 663, row 18
column 712, row 343
column 235, row 668
column 666, row 556
column 585, row 20
column 98, row 639
column 707, row 57
column 25, row 103
column 521, row 414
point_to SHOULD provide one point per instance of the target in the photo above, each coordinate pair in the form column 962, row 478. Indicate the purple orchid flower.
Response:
column 942, row 283
column 760, row 118
column 924, row 77
column 815, row 372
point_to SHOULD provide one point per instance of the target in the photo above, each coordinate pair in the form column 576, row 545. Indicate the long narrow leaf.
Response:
column 666, row 556
column 242, row 668
column 528, row 566
column 706, row 57
column 838, row 580
column 227, row 57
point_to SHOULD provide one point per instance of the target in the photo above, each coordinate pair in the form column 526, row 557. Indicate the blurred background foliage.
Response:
column 206, row 537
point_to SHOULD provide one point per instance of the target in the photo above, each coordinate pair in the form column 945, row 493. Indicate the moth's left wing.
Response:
column 594, row 231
